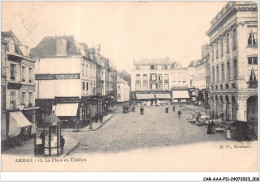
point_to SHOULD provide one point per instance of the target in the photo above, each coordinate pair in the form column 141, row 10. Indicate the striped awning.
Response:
column 69, row 109
column 163, row 96
column 17, row 121
column 144, row 96
column 180, row 94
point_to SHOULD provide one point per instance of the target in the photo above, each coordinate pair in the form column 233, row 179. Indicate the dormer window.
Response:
column 11, row 47
column 252, row 38
column 252, row 80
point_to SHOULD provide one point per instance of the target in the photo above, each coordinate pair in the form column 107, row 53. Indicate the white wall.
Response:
column 59, row 65
column 48, row 89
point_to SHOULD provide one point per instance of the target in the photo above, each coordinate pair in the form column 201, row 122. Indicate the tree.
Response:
column 125, row 76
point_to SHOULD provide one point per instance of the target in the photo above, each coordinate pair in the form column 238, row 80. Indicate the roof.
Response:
column 120, row 80
column 155, row 61
column 47, row 47
column 10, row 35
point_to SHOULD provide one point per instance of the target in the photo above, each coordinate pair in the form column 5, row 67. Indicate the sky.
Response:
column 124, row 30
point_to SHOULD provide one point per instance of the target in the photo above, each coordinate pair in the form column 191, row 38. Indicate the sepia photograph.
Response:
column 129, row 86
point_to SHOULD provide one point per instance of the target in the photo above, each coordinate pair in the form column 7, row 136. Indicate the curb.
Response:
column 101, row 124
column 86, row 130
column 71, row 149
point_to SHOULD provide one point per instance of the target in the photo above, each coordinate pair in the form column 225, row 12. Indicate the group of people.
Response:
column 173, row 109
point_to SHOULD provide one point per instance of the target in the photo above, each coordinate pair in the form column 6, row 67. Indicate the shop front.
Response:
column 90, row 106
column 180, row 96
column 68, row 110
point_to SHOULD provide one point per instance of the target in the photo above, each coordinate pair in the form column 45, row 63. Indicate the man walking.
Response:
column 142, row 110
column 166, row 109
column 179, row 113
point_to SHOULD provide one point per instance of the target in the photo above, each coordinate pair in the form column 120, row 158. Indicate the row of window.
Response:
column 153, row 86
column 252, row 41
column 86, row 85
column 23, row 98
column 25, row 71
column 88, row 70
column 153, row 77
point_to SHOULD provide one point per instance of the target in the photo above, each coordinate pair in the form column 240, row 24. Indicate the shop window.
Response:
column 252, row 38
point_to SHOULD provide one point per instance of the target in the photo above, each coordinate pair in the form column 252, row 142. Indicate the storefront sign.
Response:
column 57, row 76
column 67, row 99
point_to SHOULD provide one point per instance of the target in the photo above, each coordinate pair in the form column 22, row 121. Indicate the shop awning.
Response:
column 68, row 109
column 144, row 96
column 180, row 94
column 163, row 96
column 16, row 122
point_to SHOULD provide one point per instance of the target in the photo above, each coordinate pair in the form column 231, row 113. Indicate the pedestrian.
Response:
column 166, row 109
column 210, row 127
column 62, row 142
column 101, row 118
column 133, row 108
column 142, row 110
column 77, row 125
column 228, row 133
column 179, row 113
column 173, row 108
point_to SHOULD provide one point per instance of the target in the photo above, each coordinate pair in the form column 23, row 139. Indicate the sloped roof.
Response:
column 155, row 61
column 120, row 80
column 47, row 47
column 10, row 35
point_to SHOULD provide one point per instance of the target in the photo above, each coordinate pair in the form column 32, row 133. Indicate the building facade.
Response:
column 233, row 63
column 70, row 80
column 123, row 90
column 17, row 86
column 158, row 80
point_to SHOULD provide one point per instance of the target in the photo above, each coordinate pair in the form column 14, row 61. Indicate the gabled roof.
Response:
column 120, row 80
column 155, row 61
column 10, row 35
column 47, row 47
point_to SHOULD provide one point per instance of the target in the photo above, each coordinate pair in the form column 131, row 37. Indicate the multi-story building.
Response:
column 233, row 62
column 66, row 80
column 17, row 86
column 123, row 90
column 159, row 79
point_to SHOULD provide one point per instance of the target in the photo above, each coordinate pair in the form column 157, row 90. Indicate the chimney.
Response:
column 61, row 47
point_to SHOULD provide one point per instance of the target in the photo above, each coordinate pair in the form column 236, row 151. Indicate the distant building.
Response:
column 17, row 86
column 157, row 80
column 123, row 90
column 233, row 63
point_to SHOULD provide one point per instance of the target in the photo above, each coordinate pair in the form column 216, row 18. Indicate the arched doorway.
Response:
column 227, row 108
column 234, row 111
column 252, row 114
column 252, row 109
